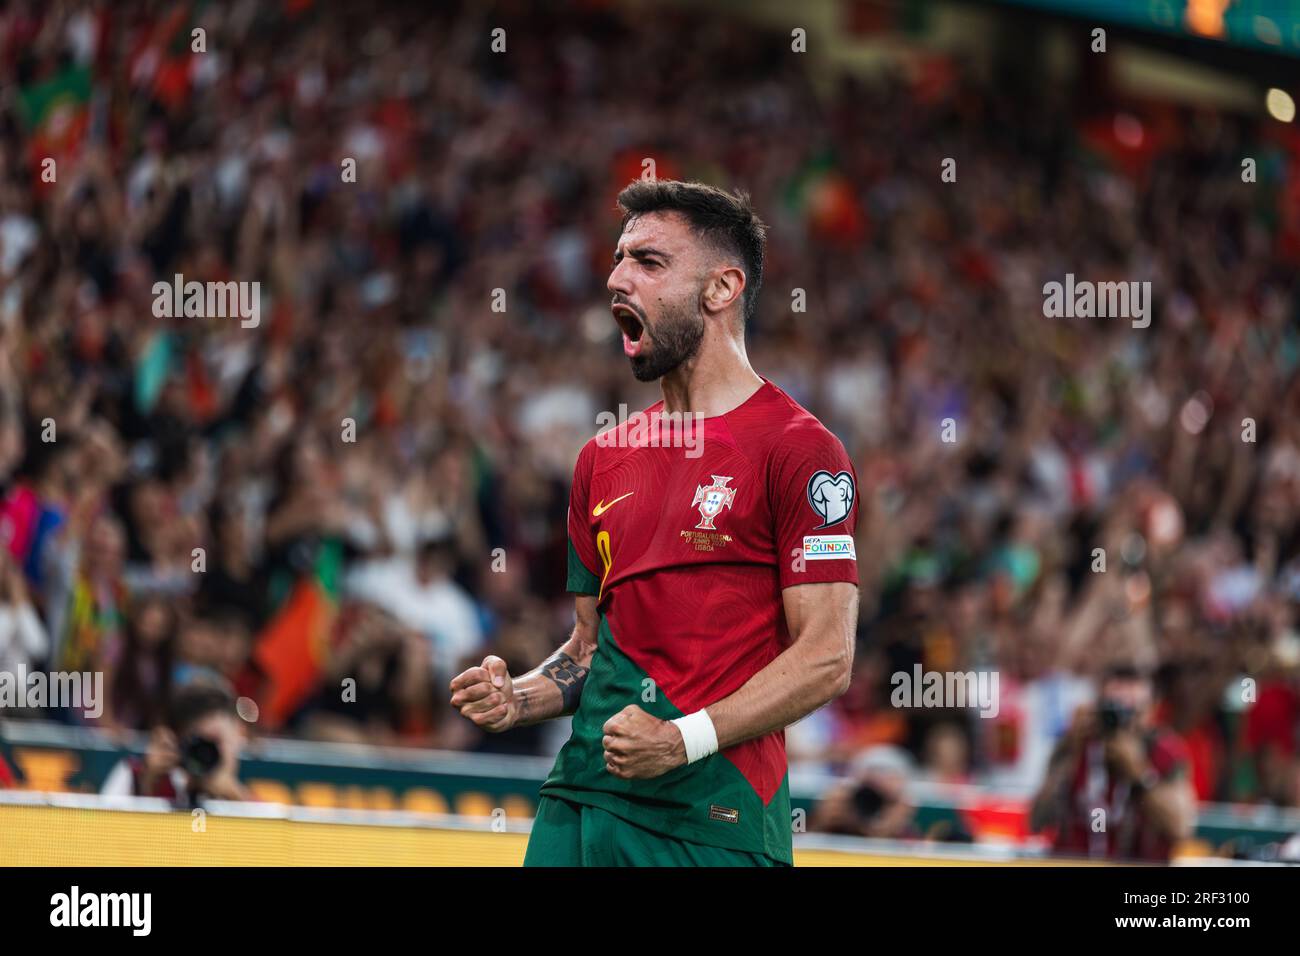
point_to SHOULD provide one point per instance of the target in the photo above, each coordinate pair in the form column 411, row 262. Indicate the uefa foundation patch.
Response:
column 827, row 547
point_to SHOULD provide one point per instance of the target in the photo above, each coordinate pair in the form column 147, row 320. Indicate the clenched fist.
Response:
column 486, row 695
column 639, row 746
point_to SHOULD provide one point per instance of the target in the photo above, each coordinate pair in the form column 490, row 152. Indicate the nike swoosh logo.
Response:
column 601, row 507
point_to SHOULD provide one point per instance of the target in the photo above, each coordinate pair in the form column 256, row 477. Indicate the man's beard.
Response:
column 676, row 339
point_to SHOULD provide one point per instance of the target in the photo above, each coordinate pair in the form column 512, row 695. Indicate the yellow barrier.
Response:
column 62, row 836
column 33, row 835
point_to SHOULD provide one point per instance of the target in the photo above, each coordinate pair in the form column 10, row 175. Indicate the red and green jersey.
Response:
column 688, row 550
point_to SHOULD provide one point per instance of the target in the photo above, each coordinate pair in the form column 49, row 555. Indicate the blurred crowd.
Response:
column 331, row 513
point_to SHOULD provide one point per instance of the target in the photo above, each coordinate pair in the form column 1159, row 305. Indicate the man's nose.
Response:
column 620, row 280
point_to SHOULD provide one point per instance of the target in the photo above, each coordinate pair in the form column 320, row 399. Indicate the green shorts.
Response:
column 572, row 834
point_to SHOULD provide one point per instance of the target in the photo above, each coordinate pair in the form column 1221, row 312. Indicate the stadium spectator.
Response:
column 1117, row 787
column 378, row 687
column 195, row 754
column 871, row 802
column 418, row 590
column 23, row 641
column 141, row 693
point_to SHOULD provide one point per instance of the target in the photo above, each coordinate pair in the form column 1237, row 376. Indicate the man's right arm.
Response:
column 489, row 697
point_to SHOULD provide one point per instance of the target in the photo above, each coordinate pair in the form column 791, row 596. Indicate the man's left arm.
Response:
column 813, row 670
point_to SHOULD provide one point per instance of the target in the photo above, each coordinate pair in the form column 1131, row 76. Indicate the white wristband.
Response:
column 698, row 735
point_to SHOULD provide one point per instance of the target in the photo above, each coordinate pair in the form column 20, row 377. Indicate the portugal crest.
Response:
column 711, row 499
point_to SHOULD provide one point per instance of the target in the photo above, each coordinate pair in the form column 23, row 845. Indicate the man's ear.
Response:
column 724, row 289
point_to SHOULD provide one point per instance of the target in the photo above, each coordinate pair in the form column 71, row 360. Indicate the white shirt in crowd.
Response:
column 440, row 609
column 22, row 637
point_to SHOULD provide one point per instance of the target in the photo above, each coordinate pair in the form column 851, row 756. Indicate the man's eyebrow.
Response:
column 642, row 252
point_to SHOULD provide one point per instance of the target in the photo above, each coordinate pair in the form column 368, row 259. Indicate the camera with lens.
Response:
column 199, row 755
column 1115, row 716
column 868, row 801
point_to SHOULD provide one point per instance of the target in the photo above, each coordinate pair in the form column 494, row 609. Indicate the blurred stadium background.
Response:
column 378, row 559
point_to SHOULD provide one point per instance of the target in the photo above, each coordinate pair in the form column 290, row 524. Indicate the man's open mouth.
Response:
column 629, row 320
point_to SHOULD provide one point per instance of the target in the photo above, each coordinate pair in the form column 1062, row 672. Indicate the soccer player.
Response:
column 716, row 581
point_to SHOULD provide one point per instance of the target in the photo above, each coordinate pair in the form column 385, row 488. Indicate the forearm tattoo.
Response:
column 568, row 675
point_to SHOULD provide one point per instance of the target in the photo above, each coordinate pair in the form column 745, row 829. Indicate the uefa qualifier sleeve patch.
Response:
column 815, row 509
column 831, row 496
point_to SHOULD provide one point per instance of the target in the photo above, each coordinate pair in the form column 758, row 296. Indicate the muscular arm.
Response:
column 555, row 686
column 492, row 700
column 813, row 670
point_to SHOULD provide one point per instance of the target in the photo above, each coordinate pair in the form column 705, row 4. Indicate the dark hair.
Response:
column 436, row 546
column 208, row 609
column 144, row 706
column 196, row 701
column 1124, row 671
column 724, row 219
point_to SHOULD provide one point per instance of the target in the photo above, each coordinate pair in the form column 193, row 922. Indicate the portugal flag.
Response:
column 56, row 114
column 293, row 650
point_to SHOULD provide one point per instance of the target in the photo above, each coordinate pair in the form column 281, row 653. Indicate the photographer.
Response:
column 195, row 756
column 1113, row 760
column 872, row 801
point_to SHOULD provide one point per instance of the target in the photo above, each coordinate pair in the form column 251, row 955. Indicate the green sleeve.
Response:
column 581, row 579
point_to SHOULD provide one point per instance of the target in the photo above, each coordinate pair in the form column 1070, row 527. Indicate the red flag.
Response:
column 291, row 651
